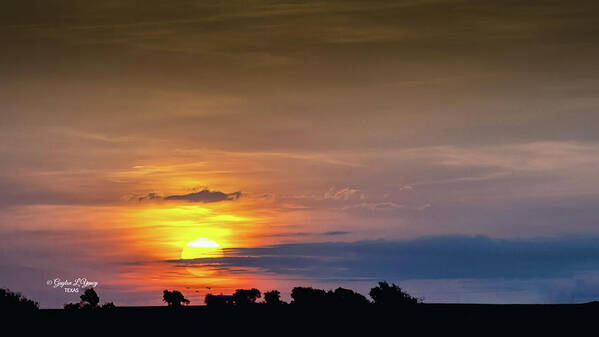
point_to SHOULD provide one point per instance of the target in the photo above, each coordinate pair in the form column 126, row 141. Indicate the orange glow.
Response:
column 155, row 234
column 169, row 231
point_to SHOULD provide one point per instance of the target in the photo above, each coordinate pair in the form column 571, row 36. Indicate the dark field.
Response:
column 422, row 319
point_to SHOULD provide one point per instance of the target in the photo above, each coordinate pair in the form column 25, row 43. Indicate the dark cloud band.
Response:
column 443, row 257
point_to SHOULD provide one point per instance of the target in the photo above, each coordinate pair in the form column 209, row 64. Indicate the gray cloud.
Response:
column 336, row 233
column 302, row 234
column 149, row 196
column 205, row 196
column 442, row 257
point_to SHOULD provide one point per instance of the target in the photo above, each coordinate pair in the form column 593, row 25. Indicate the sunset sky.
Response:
column 448, row 145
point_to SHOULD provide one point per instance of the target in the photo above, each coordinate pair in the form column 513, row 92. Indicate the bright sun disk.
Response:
column 203, row 243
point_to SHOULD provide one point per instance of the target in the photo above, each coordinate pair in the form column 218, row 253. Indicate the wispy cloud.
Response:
column 374, row 206
column 345, row 193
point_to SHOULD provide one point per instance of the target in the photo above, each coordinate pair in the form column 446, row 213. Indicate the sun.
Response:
column 198, row 249
column 203, row 243
column 201, row 248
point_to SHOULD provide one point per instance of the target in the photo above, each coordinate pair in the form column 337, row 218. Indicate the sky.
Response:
column 450, row 146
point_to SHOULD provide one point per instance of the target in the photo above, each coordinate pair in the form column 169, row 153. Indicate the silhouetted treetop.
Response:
column 89, row 301
column 174, row 298
column 340, row 297
column 218, row 300
column 246, row 296
column 391, row 295
column 90, row 298
column 348, row 298
column 72, row 306
column 12, row 301
column 308, row 296
column 108, row 306
column 273, row 297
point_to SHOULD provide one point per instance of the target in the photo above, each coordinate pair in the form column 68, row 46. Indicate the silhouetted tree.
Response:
column 108, row 306
column 72, row 306
column 218, row 300
column 246, row 296
column 347, row 298
column 340, row 297
column 89, row 301
column 273, row 297
column 13, row 302
column 308, row 296
column 391, row 295
column 174, row 298
column 90, row 298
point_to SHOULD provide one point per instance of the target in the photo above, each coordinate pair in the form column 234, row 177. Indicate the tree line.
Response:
column 384, row 294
